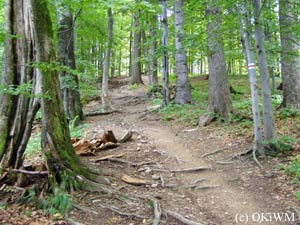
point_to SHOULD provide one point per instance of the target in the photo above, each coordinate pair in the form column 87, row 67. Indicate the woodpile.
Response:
column 85, row 147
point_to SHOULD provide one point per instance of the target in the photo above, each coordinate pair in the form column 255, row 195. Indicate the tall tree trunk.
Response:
column 269, row 126
column 66, row 57
column 17, row 112
column 62, row 162
column 219, row 90
column 246, row 38
column 153, row 49
column 137, row 66
column 165, row 57
column 183, row 91
column 147, row 63
column 104, row 92
column 290, row 62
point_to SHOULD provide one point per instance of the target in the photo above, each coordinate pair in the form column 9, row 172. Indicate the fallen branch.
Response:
column 196, row 169
column 116, row 210
column 205, row 187
column 108, row 157
column 215, row 152
column 190, row 130
column 181, row 218
column 101, row 113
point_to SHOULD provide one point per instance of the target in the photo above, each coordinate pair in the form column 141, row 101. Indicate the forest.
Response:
column 149, row 112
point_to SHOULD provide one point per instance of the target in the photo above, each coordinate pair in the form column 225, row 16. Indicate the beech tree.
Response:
column 136, row 64
column 290, row 61
column 219, row 93
column 268, row 117
column 104, row 91
column 165, row 56
column 66, row 57
column 183, row 91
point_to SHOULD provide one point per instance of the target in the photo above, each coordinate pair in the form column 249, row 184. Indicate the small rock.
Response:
column 154, row 185
column 155, row 177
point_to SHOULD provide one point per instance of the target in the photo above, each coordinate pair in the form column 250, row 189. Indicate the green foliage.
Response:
column 294, row 170
column 280, row 146
column 59, row 203
column 34, row 145
column 133, row 87
column 288, row 112
column 22, row 89
column 187, row 114
column 78, row 131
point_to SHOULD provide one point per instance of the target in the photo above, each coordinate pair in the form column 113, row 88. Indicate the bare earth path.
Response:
column 230, row 192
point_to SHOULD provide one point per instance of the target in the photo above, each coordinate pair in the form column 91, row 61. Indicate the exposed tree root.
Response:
column 157, row 212
column 205, row 187
column 195, row 183
column 215, row 152
column 181, row 218
column 84, row 209
column 116, row 210
column 27, row 172
column 206, row 119
column 71, row 221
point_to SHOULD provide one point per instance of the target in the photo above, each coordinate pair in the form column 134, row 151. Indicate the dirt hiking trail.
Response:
column 231, row 188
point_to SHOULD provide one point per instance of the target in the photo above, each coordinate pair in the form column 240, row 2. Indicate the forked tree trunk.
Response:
column 17, row 112
column 136, row 65
column 290, row 61
column 219, row 90
column 269, row 125
column 165, row 57
column 246, row 37
column 183, row 91
column 66, row 56
column 106, row 105
column 62, row 162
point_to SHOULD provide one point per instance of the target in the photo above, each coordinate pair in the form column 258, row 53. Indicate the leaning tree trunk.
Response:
column 17, row 111
column 269, row 126
column 66, row 57
column 104, row 91
column 165, row 57
column 290, row 62
column 62, row 162
column 183, row 91
column 136, row 65
column 246, row 38
column 219, row 88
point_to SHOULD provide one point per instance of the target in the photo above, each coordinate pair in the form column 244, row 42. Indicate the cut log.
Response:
column 109, row 136
column 196, row 169
column 134, row 181
column 108, row 145
column 83, row 148
column 126, row 137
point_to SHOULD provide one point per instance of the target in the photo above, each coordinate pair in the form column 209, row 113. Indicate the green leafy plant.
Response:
column 288, row 112
column 280, row 146
column 133, row 87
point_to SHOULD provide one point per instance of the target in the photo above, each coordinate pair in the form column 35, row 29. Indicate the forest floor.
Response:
column 229, row 189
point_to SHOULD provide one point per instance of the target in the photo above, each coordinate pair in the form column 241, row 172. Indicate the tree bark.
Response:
column 290, row 62
column 104, row 92
column 268, row 121
column 17, row 111
column 62, row 162
column 219, row 88
column 153, row 49
column 137, row 66
column 183, row 91
column 246, row 38
column 66, row 57
column 165, row 57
